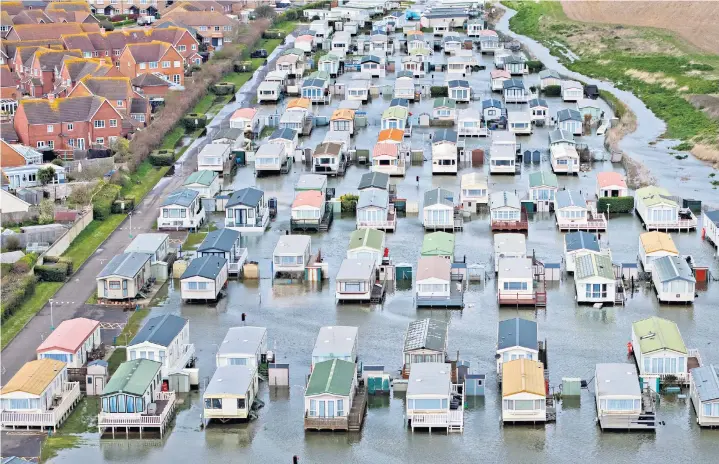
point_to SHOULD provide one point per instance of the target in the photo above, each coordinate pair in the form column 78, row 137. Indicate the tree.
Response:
column 45, row 175
column 81, row 195
column 47, row 211
column 265, row 11
column 121, row 149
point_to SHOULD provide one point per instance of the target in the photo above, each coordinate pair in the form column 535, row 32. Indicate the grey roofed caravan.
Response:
column 181, row 197
column 444, row 135
column 125, row 265
column 242, row 340
column 248, row 196
column 379, row 198
column 590, row 265
column 491, row 103
column 283, row 134
column 228, row 133
column 435, row 379
column 503, row 199
column 517, row 332
column 147, row 243
column 545, row 73
column 232, row 380
column 355, row 269
column 581, row 240
column 438, row 196
column 568, row 114
column 566, row 198
column 160, row 330
column 668, row 268
column 377, row 180
column 560, row 135
column 208, row 266
column 335, row 340
column 429, row 334
column 617, row 379
column 219, row 240
column 706, row 382
column 538, row 102
column 713, row 216
column 458, row 84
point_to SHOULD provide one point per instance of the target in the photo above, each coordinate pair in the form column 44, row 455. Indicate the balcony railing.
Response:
column 188, row 353
column 326, row 423
column 138, row 419
column 70, row 394
column 235, row 266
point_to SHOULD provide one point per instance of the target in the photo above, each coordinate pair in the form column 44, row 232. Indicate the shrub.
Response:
column 58, row 162
column 162, row 158
column 120, row 178
column 107, row 25
column 349, row 202
column 47, row 211
column 45, row 175
column 24, row 264
column 438, row 91
column 242, row 66
column 102, row 202
column 194, row 121
column 535, row 66
column 223, row 88
column 123, row 205
column 68, row 262
column 616, row 204
column 12, row 243
column 52, row 272
column 17, row 292
column 552, row 91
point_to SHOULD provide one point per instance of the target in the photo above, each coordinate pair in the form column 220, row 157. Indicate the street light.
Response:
column 52, row 323
column 130, row 216
column 608, row 205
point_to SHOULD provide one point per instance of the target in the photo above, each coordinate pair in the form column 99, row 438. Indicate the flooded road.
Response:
column 687, row 177
column 578, row 337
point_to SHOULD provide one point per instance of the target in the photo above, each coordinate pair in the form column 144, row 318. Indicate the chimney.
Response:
column 50, row 97
column 102, row 30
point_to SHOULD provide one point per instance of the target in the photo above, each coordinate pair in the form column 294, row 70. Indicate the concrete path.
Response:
column 69, row 301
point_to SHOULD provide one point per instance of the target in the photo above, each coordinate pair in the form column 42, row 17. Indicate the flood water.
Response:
column 578, row 337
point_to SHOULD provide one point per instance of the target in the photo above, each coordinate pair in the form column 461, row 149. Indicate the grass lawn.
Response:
column 193, row 240
column 92, row 299
column 83, row 419
column 173, row 138
column 143, row 180
column 91, row 238
column 204, row 104
column 12, row 326
column 117, row 357
column 132, row 326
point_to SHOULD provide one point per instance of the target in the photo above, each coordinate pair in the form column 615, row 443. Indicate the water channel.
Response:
column 578, row 336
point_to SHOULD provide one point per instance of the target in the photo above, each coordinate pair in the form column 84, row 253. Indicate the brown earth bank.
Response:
column 697, row 21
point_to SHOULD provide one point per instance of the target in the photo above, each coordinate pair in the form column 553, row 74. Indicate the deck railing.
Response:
column 109, row 419
column 235, row 266
column 423, row 420
column 326, row 423
column 70, row 394
column 679, row 223
column 188, row 352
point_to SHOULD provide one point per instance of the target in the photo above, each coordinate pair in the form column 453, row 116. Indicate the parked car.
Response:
column 260, row 53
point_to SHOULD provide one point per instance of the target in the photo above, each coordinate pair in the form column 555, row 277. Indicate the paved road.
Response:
column 69, row 302
column 21, row 443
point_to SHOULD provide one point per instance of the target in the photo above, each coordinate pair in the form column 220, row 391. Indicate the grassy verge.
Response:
column 14, row 324
column 131, row 328
column 193, row 240
column 91, row 238
column 82, row 420
column 658, row 67
column 143, row 180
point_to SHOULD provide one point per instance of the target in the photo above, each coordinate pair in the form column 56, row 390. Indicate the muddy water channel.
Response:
column 578, row 337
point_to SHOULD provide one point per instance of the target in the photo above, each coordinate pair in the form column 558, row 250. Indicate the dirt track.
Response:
column 697, row 22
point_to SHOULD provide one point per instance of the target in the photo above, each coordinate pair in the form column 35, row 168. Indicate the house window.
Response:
column 70, row 126
column 192, row 285
column 99, row 124
column 176, row 64
column 176, row 78
column 120, row 103
column 153, row 65
column 241, row 403
column 143, row 65
column 50, row 128
column 213, row 403
column 113, row 122
column 114, row 285
column 139, row 117
column 51, row 144
column 217, row 28
column 313, row 408
column 40, row 144
column 596, row 290
column 194, row 46
column 100, row 140
column 165, row 64
column 181, row 48
column 227, row 28
column 515, row 285
column 237, row 361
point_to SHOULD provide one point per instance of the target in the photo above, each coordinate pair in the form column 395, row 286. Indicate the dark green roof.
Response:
column 133, row 377
column 334, row 377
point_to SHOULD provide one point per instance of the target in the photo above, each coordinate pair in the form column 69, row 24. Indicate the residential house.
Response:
column 331, row 64
column 574, row 213
column 432, row 400
column 151, row 86
column 271, row 158
column 72, row 342
column 355, row 280
column 474, row 26
column 213, row 28
column 343, row 120
column 329, row 158
column 230, row 394
column 246, row 211
column 269, row 91
column 710, row 226
column 654, row 245
column 304, row 43
column 124, row 276
column 316, row 90
column 516, row 339
column 444, row 152
column 570, row 120
column 444, row 109
column 516, row 65
column 182, row 209
column 451, row 43
column 490, row 43
column 372, row 65
column 204, row 278
column 657, row 209
column 704, row 393
column 580, row 243
column 330, row 394
column 659, row 350
column 560, row 137
column 38, row 395
column 505, row 211
column 459, row 91
column 492, row 109
column 474, row 191
column 38, row 77
column 438, row 209
column 380, row 44
column 205, row 182
column 424, row 341
column 153, row 57
column 386, row 159
column 67, row 123
column 509, row 246
column 434, row 281
column 225, row 243
column 404, row 86
column 414, row 64
column 367, row 244
column 357, row 90
column 572, row 91
column 287, row 137
column 524, row 393
column 27, row 176
column 157, row 245
column 543, row 188
column 14, row 155
column 48, row 31
column 594, row 279
column 292, row 253
column 589, row 108
column 673, row 280
column 611, row 184
column 118, row 91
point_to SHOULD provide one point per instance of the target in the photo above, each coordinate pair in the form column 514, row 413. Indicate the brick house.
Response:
column 47, row 31
column 212, row 27
column 118, row 91
column 153, row 57
column 74, row 69
column 150, row 85
column 10, row 157
column 40, row 70
column 67, row 123
column 8, row 84
column 10, row 48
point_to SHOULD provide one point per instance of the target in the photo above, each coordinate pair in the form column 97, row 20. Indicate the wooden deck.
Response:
column 593, row 224
column 522, row 299
column 159, row 421
column 646, row 420
column 522, row 225
column 353, row 422
column 50, row 419
column 454, row 301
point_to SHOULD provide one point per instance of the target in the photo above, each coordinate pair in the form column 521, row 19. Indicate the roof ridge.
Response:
column 329, row 377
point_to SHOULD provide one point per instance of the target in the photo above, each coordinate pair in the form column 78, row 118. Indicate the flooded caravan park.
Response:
column 578, row 337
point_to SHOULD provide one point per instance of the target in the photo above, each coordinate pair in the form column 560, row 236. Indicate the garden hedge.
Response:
column 616, row 204
column 552, row 91
column 103, row 200
column 223, row 88
column 123, row 205
column 17, row 292
column 194, row 121
column 24, row 264
column 51, row 272
column 349, row 202
column 438, row 91
column 242, row 66
column 162, row 158
column 535, row 66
